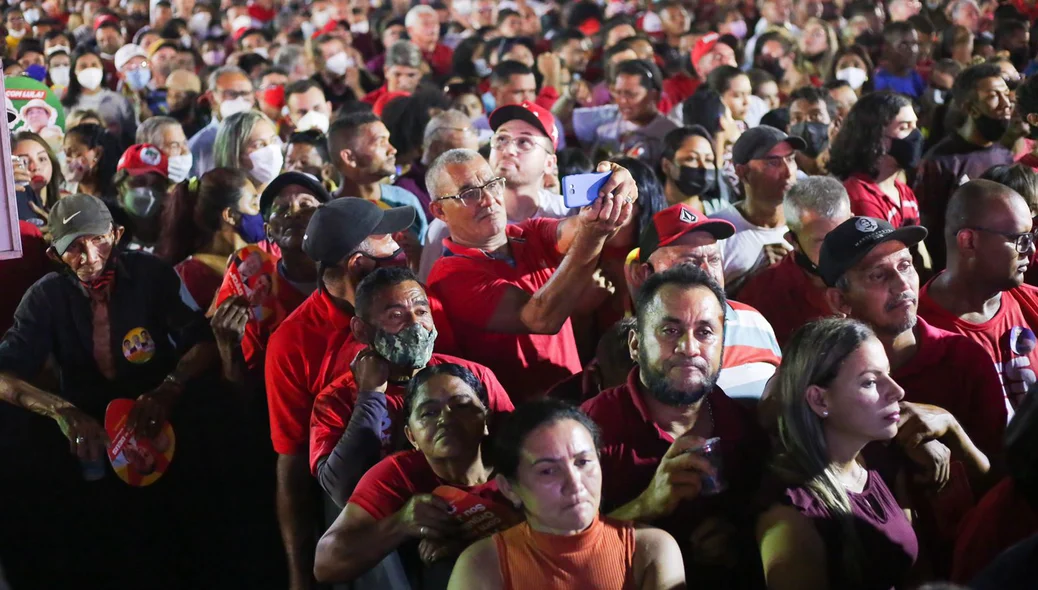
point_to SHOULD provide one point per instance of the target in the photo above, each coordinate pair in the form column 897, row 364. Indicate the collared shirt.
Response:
column 311, row 348
column 786, row 297
column 1008, row 337
column 951, row 372
column 868, row 200
column 633, row 445
column 471, row 284
column 201, row 146
column 149, row 326
column 333, row 407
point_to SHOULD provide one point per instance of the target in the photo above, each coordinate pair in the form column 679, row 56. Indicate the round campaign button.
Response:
column 1021, row 340
column 138, row 347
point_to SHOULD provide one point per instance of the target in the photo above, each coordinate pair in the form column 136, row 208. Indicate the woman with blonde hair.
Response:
column 818, row 46
column 832, row 521
column 249, row 141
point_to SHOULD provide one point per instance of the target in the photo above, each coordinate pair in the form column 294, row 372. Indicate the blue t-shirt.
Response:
column 911, row 84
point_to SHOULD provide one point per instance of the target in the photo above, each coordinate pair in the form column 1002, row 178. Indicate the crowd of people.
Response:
column 790, row 343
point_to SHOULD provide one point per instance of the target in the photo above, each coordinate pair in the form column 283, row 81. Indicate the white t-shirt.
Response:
column 551, row 205
column 743, row 253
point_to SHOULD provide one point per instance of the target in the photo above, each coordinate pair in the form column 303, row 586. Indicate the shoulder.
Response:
column 289, row 333
column 951, row 346
column 608, row 405
column 478, row 566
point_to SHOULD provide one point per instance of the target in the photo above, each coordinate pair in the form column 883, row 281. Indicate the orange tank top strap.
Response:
column 601, row 557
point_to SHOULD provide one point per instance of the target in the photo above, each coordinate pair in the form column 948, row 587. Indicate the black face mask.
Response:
column 772, row 67
column 695, row 181
column 803, row 261
column 1020, row 57
column 990, row 128
column 814, row 134
column 907, row 151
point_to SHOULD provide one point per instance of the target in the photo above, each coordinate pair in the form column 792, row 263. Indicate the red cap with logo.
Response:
column 534, row 114
column 703, row 46
column 143, row 158
column 675, row 221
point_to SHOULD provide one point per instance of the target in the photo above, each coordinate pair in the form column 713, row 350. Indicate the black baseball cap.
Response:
column 76, row 216
column 755, row 143
column 852, row 240
column 339, row 226
column 309, row 182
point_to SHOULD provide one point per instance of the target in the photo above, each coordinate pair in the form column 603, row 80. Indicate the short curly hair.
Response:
column 860, row 141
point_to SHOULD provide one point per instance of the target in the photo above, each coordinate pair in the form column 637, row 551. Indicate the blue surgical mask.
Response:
column 138, row 79
column 36, row 72
column 250, row 228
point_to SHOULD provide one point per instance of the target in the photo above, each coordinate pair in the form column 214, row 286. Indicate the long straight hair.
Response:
column 813, row 356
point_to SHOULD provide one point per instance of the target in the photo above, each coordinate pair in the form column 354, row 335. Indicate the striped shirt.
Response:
column 751, row 352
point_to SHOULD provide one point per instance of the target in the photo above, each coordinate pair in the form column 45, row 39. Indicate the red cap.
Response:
column 143, row 158
column 590, row 27
column 380, row 104
column 675, row 221
column 105, row 18
column 534, row 114
column 703, row 46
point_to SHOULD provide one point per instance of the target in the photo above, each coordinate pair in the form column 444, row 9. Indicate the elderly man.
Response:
column 509, row 289
column 868, row 268
column 990, row 239
column 402, row 71
column 669, row 405
column 423, row 29
column 764, row 159
column 680, row 235
column 230, row 92
column 167, row 134
column 791, row 293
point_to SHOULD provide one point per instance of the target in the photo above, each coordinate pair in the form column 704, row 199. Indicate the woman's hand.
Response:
column 426, row 516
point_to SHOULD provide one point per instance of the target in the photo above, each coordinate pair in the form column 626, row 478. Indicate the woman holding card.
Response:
column 419, row 499
column 546, row 458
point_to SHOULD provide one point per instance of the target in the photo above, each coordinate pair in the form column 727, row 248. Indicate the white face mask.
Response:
column 856, row 77
column 262, row 52
column 14, row 34
column 199, row 23
column 60, row 75
column 266, row 163
column 234, row 106
column 360, row 28
column 321, row 18
column 90, row 78
column 338, row 63
column 313, row 120
column 179, row 167
column 32, row 15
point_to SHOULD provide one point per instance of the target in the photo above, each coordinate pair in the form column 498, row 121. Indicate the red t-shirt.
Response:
column 953, row 373
column 786, row 297
column 334, row 406
column 254, row 341
column 440, row 59
column 373, row 96
column 387, row 486
column 632, row 446
column 1029, row 160
column 1008, row 337
column 312, row 347
column 679, row 87
column 1002, row 518
column 868, row 200
column 18, row 274
column 471, row 283
column 201, row 280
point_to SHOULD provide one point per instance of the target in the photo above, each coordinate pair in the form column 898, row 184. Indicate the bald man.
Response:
column 990, row 241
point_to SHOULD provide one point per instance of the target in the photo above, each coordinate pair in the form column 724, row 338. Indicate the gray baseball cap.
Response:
column 76, row 216
column 755, row 143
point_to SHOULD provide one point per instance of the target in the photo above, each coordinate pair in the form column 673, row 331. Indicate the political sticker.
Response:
column 479, row 517
column 137, row 461
column 1022, row 340
column 38, row 108
column 138, row 347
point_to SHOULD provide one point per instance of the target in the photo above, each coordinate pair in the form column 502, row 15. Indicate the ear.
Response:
column 410, row 437
column 668, row 168
column 966, row 240
column 834, row 129
column 505, row 487
column 361, row 330
column 632, row 345
column 742, row 170
column 838, row 302
column 227, row 215
column 436, row 208
column 100, row 153
column 328, row 105
column 636, row 273
column 118, row 232
column 816, row 400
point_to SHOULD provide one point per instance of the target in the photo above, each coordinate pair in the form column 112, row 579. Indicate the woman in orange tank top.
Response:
column 546, row 457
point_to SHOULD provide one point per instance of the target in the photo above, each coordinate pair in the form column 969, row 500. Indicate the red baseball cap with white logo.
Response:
column 675, row 221
column 534, row 114
column 703, row 46
column 143, row 158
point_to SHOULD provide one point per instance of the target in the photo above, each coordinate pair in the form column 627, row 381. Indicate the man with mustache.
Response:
column 509, row 290
column 989, row 234
column 867, row 266
column 981, row 94
column 354, row 419
column 669, row 406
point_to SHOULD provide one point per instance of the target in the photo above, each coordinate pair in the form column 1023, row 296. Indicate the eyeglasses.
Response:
column 523, row 144
column 1023, row 241
column 494, row 187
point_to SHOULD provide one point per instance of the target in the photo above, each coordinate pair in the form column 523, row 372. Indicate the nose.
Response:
column 896, row 392
column 570, row 480
column 688, row 345
column 91, row 254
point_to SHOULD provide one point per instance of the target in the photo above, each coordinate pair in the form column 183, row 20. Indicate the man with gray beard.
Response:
column 654, row 426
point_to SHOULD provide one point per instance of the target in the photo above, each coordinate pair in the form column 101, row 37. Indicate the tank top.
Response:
column 600, row 558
